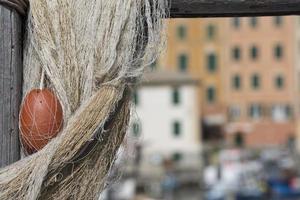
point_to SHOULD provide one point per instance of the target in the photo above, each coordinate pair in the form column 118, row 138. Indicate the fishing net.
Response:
column 90, row 53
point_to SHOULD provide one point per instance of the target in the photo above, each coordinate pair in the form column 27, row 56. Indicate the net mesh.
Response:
column 92, row 52
column 40, row 119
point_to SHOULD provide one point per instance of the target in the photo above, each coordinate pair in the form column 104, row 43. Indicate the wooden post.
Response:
column 10, row 84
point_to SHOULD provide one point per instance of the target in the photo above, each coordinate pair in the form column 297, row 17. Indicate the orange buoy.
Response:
column 41, row 119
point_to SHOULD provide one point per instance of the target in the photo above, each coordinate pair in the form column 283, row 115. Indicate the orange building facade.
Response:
column 260, row 82
column 248, row 70
column 194, row 46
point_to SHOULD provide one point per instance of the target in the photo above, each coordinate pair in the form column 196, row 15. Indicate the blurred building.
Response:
column 167, row 121
column 195, row 47
column 249, row 72
column 260, row 82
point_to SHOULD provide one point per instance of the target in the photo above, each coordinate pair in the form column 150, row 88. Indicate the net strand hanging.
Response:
column 92, row 53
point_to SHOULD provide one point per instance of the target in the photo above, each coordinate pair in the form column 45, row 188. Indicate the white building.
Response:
column 167, row 120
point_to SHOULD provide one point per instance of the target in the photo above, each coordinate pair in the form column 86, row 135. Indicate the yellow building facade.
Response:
column 195, row 47
column 249, row 74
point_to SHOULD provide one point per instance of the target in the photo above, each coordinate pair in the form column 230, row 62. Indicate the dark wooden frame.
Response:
column 231, row 8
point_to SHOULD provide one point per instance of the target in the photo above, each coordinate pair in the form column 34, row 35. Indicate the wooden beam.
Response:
column 10, row 84
column 231, row 8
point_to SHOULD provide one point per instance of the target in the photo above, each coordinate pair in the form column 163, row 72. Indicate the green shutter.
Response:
column 211, row 94
column 176, row 128
column 135, row 98
column 177, row 157
column 181, row 32
column 236, row 22
column 253, row 21
column 278, row 20
column 136, row 129
column 255, row 81
column 211, row 31
column 212, row 62
column 183, row 62
column 278, row 51
column 236, row 82
column 236, row 53
column 176, row 96
column 153, row 65
column 279, row 82
column 254, row 52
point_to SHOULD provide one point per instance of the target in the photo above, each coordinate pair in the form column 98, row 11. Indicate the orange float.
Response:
column 41, row 119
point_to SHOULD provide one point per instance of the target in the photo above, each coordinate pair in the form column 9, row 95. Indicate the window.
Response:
column 135, row 98
column 239, row 139
column 177, row 157
column 136, row 129
column 211, row 94
column 236, row 22
column 279, row 82
column 253, row 21
column 255, row 81
column 255, row 111
column 236, row 53
column 278, row 20
column 212, row 62
column 236, row 82
column 176, row 96
column 254, row 53
column 281, row 113
column 289, row 111
column 181, row 32
column 176, row 129
column 278, row 52
column 153, row 65
column 234, row 112
column 183, row 62
column 211, row 31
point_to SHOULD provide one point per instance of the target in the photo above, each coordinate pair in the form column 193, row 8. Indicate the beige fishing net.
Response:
column 92, row 53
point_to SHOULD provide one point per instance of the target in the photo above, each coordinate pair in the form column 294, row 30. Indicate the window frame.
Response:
column 236, row 53
column 136, row 129
column 183, row 62
column 236, row 22
column 253, row 21
column 255, row 81
column 236, row 82
column 177, row 128
column 212, row 62
column 278, row 52
column 254, row 52
column 211, row 31
column 182, row 33
column 281, row 85
column 211, row 91
column 176, row 97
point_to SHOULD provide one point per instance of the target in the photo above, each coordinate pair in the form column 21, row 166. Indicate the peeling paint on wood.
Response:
column 10, row 84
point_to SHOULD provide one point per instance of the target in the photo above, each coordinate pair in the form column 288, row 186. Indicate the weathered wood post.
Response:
column 10, row 84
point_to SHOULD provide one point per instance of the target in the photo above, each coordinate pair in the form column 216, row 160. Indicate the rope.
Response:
column 91, row 52
column 19, row 5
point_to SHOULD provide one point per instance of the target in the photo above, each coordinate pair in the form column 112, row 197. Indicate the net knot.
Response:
column 20, row 6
